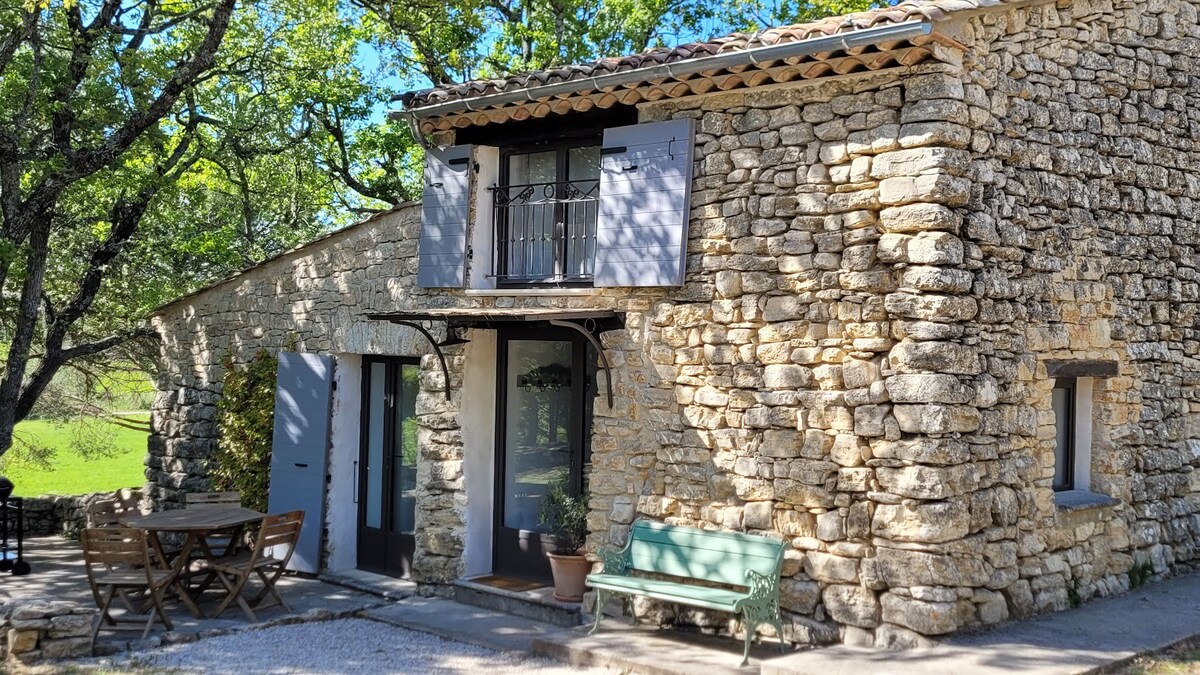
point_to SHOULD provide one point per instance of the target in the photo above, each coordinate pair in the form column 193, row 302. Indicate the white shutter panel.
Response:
column 445, row 209
column 645, row 203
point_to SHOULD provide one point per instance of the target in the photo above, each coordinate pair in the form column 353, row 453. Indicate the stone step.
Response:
column 538, row 604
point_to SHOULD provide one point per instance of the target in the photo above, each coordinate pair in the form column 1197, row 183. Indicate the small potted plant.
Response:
column 566, row 516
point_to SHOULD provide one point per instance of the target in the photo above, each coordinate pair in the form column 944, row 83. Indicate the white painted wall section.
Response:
column 477, row 415
column 341, row 540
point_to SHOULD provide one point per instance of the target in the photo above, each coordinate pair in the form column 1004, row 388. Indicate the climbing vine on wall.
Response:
column 246, row 420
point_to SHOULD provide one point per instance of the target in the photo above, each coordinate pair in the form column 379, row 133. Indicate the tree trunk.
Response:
column 28, row 311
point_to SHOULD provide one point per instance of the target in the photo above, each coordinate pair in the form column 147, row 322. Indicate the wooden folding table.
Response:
column 196, row 524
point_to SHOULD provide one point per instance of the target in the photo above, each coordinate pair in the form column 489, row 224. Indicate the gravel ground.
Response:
column 325, row 647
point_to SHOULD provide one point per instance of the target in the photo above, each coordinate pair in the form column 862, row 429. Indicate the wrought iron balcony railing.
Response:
column 545, row 232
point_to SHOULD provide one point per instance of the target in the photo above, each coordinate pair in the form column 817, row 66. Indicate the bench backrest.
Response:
column 720, row 557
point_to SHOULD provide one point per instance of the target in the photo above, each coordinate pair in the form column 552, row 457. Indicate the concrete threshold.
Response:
column 465, row 623
column 1097, row 636
column 381, row 585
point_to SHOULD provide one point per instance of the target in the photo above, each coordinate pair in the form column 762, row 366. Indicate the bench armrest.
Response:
column 762, row 587
column 615, row 561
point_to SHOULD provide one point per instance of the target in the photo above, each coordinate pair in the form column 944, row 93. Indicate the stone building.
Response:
column 914, row 289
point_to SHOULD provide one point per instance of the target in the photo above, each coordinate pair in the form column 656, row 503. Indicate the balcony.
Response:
column 545, row 232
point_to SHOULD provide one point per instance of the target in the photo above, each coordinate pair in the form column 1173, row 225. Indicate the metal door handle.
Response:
column 356, row 481
column 302, row 466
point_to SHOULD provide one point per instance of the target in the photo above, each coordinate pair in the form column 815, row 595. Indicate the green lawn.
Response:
column 72, row 472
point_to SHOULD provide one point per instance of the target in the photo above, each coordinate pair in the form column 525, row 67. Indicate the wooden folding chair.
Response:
column 119, row 560
column 223, row 543
column 109, row 512
column 193, row 500
column 102, row 513
column 276, row 533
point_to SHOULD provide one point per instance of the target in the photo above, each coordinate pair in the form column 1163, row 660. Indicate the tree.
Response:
column 441, row 40
column 93, row 96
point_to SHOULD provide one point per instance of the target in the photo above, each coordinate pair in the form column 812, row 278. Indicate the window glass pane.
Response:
column 1064, row 430
column 530, row 241
column 374, row 468
column 534, row 167
column 581, row 211
column 404, row 460
column 537, row 427
column 584, row 163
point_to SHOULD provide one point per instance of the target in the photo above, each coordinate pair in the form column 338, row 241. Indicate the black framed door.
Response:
column 387, row 465
column 543, row 424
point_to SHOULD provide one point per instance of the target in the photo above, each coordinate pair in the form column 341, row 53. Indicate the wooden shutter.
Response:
column 645, row 200
column 303, row 400
column 445, row 209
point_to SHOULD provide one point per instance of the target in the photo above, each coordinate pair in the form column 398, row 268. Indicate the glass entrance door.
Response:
column 387, row 466
column 543, row 405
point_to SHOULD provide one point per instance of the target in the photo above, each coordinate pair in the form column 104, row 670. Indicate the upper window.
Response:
column 1063, row 403
column 546, row 208
column 609, row 209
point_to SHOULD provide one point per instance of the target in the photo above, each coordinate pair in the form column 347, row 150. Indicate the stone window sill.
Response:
column 518, row 292
column 1081, row 500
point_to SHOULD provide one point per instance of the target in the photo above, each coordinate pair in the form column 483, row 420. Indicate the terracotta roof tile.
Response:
column 909, row 10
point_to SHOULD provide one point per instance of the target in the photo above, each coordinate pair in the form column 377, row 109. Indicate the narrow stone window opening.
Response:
column 1064, row 405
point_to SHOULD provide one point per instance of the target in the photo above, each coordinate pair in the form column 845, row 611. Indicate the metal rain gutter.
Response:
column 777, row 52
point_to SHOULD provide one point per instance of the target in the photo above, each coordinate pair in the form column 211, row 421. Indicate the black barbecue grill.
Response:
column 11, row 540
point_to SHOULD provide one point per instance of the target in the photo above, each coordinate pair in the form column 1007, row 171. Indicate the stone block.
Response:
column 919, row 217
column 799, row 493
column 923, row 248
column 916, row 161
column 22, row 640
column 991, row 606
column 902, row 568
column 928, row 482
column 830, row 568
column 928, row 307
column 928, row 388
column 933, row 418
column 938, row 357
column 800, row 596
column 928, row 522
column 831, row 526
column 933, row 86
column 779, row 443
column 938, row 188
column 67, row 648
column 757, row 515
column 787, row 376
column 937, row 279
column 923, row 450
column 869, row 420
column 70, row 625
column 851, row 605
column 795, row 523
column 926, row 618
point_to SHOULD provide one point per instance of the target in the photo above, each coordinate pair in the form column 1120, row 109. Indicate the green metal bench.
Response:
column 747, row 561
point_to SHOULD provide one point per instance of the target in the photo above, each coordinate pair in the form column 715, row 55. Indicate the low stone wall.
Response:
column 32, row 630
column 63, row 514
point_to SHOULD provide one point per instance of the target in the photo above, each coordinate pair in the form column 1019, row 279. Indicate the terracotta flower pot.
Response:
column 570, row 574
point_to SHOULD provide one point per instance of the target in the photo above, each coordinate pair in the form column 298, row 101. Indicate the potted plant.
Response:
column 566, row 516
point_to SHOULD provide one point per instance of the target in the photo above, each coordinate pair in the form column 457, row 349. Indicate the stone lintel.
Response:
column 1081, row 368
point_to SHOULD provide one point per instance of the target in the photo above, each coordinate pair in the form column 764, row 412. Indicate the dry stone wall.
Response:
column 37, row 629
column 1084, row 153
column 62, row 514
column 879, row 269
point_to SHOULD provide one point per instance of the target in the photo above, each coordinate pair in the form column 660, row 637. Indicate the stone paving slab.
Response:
column 1096, row 635
column 652, row 651
column 464, row 623
column 58, row 573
